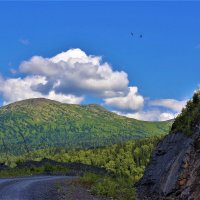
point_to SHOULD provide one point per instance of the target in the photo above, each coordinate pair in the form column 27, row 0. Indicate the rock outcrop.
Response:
column 174, row 170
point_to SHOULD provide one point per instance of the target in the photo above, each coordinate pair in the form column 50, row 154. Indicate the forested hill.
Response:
column 41, row 123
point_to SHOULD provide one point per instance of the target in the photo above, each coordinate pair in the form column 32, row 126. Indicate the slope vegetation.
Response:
column 173, row 172
column 40, row 123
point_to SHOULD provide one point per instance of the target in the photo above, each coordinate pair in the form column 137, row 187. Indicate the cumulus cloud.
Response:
column 16, row 89
column 131, row 101
column 150, row 115
column 77, row 73
column 70, row 76
column 172, row 104
column 67, row 77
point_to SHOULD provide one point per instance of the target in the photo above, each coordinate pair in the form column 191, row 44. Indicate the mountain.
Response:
column 174, row 170
column 42, row 123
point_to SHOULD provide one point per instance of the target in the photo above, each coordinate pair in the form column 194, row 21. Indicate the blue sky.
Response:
column 164, row 64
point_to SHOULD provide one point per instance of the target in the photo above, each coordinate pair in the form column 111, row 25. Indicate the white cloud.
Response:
column 70, row 76
column 151, row 115
column 71, row 99
column 172, row 104
column 131, row 101
column 16, row 89
column 77, row 73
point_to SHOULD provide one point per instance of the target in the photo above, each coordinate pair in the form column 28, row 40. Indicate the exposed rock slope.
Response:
column 174, row 171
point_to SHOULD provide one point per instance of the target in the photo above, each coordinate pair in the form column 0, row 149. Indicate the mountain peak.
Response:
column 37, row 122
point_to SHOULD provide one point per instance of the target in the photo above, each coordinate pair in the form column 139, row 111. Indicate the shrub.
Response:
column 189, row 118
column 120, row 188
column 48, row 168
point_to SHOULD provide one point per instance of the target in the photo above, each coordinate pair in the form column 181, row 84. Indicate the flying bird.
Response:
column 139, row 35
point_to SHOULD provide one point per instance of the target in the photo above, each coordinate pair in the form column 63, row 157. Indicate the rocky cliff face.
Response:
column 174, row 171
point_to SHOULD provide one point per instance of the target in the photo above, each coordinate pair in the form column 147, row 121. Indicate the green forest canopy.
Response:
column 40, row 123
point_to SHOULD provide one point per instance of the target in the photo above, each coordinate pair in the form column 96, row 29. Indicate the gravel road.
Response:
column 30, row 188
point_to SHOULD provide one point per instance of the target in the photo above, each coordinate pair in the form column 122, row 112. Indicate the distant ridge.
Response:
column 42, row 123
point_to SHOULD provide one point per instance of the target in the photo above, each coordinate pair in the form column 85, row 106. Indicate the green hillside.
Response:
column 41, row 123
column 188, row 120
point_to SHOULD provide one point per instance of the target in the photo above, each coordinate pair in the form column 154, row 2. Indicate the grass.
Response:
column 26, row 171
column 119, row 188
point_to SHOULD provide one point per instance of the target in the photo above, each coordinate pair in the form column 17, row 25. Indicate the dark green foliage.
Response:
column 118, row 188
column 34, row 124
column 127, row 159
column 125, row 162
column 28, row 171
column 38, row 128
column 48, row 168
column 188, row 119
